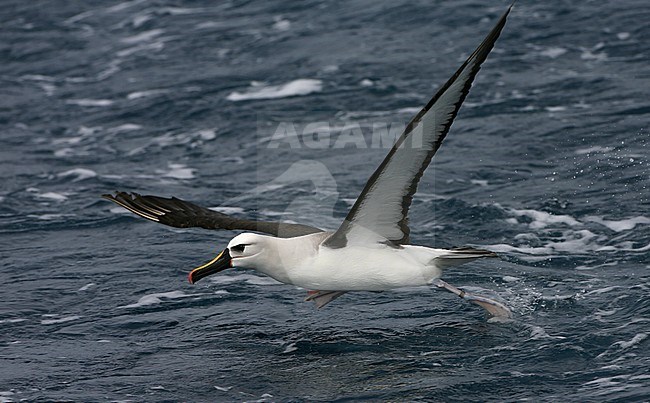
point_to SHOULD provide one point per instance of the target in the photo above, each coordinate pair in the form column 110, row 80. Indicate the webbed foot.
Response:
column 495, row 308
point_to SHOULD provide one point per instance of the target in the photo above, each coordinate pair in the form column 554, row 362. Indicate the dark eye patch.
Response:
column 239, row 248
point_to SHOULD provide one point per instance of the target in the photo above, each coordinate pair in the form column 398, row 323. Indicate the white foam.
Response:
column 247, row 278
column 38, row 77
column 510, row 279
column 64, row 152
column 60, row 320
column 572, row 242
column 142, row 37
column 621, row 225
column 88, row 131
column 410, row 110
column 179, row 171
column 5, row 396
column 194, row 139
column 145, row 94
column 119, row 210
column 124, row 5
column 87, row 287
column 138, row 20
column 603, row 290
column 153, row 299
column 575, row 239
column 126, row 127
column 330, row 68
column 538, row 333
column 207, row 134
column 48, row 217
column 555, row 108
column 16, row 320
column 282, row 25
column 291, row 347
column 182, row 10
column 608, row 381
column 79, row 173
column 52, row 196
column 613, row 385
column 302, row 86
column 588, row 54
column 272, row 213
column 594, row 149
column 158, row 45
column 623, row 35
column 90, row 102
column 68, row 140
column 48, row 88
column 232, row 159
column 542, row 219
column 479, row 182
column 638, row 338
column 641, row 249
column 553, row 52
column 366, row 83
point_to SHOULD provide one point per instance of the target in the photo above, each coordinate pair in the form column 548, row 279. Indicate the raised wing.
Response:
column 182, row 214
column 381, row 211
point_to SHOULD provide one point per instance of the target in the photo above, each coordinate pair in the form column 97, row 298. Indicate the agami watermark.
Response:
column 337, row 135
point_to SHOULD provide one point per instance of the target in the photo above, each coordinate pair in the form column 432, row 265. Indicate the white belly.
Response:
column 365, row 268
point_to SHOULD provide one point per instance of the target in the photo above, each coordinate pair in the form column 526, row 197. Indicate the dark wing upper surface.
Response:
column 381, row 211
column 182, row 214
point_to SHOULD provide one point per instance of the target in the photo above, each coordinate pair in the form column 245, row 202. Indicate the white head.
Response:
column 247, row 250
column 250, row 251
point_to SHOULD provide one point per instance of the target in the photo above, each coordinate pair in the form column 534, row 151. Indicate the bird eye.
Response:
column 239, row 248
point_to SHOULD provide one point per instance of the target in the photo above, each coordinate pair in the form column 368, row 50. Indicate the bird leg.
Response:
column 322, row 298
column 493, row 307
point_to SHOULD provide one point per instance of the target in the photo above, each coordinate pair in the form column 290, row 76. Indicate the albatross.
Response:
column 370, row 251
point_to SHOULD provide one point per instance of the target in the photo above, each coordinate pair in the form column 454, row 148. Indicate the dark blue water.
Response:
column 547, row 164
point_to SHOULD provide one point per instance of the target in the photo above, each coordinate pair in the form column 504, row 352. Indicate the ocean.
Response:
column 282, row 111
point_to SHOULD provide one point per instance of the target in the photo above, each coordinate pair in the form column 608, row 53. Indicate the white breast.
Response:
column 364, row 268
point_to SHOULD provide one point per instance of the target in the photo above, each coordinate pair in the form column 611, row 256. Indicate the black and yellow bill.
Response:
column 219, row 263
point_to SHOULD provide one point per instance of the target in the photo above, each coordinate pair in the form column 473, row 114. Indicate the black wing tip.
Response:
column 179, row 213
column 109, row 196
column 136, row 204
column 118, row 194
column 170, row 211
column 115, row 196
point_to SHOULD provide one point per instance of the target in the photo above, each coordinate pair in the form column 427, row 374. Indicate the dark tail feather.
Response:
column 457, row 256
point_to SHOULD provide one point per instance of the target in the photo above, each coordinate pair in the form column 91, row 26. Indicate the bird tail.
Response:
column 458, row 256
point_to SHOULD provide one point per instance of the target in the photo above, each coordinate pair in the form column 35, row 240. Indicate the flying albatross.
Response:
column 370, row 251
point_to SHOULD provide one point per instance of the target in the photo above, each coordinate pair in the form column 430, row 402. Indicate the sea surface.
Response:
column 282, row 110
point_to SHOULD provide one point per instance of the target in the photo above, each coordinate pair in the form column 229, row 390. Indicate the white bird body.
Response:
column 305, row 262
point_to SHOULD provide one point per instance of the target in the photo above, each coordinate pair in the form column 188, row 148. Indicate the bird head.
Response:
column 243, row 251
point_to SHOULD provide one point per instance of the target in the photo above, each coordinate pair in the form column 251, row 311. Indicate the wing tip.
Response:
column 129, row 201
